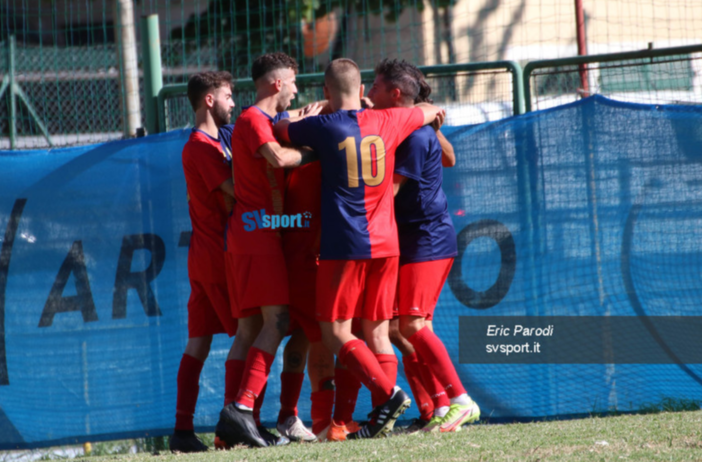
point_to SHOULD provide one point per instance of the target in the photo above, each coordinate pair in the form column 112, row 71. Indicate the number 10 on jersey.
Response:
column 372, row 160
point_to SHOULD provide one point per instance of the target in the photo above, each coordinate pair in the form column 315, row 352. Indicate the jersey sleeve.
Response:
column 303, row 132
column 211, row 165
column 407, row 120
column 260, row 132
column 410, row 156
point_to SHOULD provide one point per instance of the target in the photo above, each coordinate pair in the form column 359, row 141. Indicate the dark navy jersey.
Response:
column 357, row 154
column 421, row 209
column 225, row 140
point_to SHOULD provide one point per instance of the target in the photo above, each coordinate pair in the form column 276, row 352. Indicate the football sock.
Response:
column 290, row 388
column 433, row 352
column 421, row 397
column 432, row 386
column 463, row 400
column 188, row 389
column 258, row 404
column 258, row 366
column 322, row 405
column 441, row 411
column 388, row 363
column 233, row 373
column 347, row 388
column 358, row 358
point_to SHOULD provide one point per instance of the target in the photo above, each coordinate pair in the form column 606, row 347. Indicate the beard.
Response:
column 221, row 115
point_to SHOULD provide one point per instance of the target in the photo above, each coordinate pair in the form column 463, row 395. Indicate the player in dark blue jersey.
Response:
column 427, row 241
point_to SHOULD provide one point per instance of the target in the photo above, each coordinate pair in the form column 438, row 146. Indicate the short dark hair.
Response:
column 203, row 82
column 405, row 76
column 271, row 62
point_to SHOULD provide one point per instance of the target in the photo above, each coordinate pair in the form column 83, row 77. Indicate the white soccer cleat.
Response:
column 294, row 430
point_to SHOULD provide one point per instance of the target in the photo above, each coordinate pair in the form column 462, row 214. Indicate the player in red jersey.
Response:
column 256, row 269
column 210, row 197
column 427, row 245
column 359, row 248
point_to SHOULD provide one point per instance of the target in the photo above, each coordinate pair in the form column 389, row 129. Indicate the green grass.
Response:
column 663, row 436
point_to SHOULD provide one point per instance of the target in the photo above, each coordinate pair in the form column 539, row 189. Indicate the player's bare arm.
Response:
column 227, row 187
column 286, row 157
column 448, row 157
column 430, row 111
column 316, row 108
column 397, row 182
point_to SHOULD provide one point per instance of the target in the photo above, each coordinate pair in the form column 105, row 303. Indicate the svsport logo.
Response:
column 259, row 219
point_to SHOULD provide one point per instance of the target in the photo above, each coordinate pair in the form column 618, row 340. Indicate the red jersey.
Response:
column 206, row 167
column 357, row 154
column 258, row 187
column 303, row 195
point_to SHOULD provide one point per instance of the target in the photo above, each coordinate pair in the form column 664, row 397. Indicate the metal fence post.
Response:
column 13, row 101
column 153, row 80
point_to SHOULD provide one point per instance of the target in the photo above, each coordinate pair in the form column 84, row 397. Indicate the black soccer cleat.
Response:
column 186, row 441
column 238, row 427
column 270, row 438
column 416, row 425
column 383, row 417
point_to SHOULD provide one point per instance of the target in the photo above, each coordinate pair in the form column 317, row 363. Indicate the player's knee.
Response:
column 410, row 326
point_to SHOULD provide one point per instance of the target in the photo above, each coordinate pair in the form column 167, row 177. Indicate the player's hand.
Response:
column 366, row 103
column 310, row 110
column 439, row 121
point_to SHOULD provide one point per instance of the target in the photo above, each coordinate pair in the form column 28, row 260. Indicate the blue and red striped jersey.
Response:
column 357, row 153
column 424, row 225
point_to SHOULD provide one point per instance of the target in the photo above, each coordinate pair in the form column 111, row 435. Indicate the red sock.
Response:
column 322, row 405
column 233, row 373
column 290, row 388
column 188, row 389
column 358, row 358
column 414, row 379
column 347, row 388
column 258, row 366
column 433, row 352
column 431, row 384
column 389, row 365
column 258, row 404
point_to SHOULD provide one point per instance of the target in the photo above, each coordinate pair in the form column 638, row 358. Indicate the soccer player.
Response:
column 301, row 249
column 210, row 197
column 256, row 266
column 359, row 248
column 427, row 239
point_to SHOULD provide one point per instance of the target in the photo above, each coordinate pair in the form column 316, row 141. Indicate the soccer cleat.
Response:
column 352, row 427
column 433, row 425
column 294, row 430
column 416, row 425
column 459, row 415
column 220, row 445
column 337, row 432
column 237, row 426
column 322, row 436
column 184, row 441
column 384, row 416
column 270, row 438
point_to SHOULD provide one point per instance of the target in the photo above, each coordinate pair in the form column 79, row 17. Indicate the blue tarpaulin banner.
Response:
column 590, row 209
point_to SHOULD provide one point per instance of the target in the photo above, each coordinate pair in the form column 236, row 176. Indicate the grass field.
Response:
column 670, row 436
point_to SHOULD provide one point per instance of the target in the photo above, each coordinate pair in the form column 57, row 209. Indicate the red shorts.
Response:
column 419, row 286
column 302, row 278
column 208, row 310
column 356, row 288
column 255, row 281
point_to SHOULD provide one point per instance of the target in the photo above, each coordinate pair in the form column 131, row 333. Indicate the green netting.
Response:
column 68, row 50
column 659, row 80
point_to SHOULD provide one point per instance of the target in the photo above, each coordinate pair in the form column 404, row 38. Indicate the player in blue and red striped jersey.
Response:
column 427, row 240
column 210, row 198
column 359, row 248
